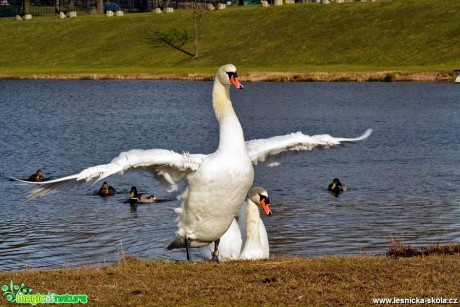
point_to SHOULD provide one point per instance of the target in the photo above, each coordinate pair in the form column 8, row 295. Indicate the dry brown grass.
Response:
column 334, row 281
column 386, row 76
column 400, row 249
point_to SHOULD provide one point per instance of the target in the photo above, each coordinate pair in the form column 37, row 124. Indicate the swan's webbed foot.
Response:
column 188, row 244
column 215, row 253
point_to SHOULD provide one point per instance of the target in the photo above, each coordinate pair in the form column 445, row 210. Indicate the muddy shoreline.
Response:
column 384, row 76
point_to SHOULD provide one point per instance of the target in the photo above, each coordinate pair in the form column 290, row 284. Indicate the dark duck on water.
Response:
column 336, row 187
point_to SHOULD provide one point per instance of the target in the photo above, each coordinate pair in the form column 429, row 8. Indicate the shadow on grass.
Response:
column 175, row 39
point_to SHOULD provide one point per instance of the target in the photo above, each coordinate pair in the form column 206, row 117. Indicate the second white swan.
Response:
column 247, row 237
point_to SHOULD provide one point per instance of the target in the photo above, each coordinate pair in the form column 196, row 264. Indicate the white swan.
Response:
column 247, row 237
column 216, row 183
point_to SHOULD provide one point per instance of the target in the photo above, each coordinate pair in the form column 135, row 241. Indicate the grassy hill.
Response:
column 402, row 35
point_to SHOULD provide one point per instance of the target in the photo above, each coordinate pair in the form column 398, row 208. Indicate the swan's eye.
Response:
column 232, row 73
column 265, row 198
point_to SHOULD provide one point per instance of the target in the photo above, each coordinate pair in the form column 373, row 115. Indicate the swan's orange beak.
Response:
column 264, row 201
column 235, row 82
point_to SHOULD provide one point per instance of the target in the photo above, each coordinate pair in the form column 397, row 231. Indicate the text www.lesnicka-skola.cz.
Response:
column 415, row 300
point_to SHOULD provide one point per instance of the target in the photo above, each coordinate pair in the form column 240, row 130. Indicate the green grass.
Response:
column 403, row 35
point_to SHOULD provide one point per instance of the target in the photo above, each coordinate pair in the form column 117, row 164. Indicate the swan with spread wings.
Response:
column 216, row 183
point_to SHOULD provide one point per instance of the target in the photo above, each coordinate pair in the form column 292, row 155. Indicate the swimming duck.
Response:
column 216, row 183
column 106, row 190
column 37, row 177
column 336, row 187
column 142, row 198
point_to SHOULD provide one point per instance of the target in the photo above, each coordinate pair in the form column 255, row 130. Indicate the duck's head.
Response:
column 105, row 186
column 133, row 192
column 227, row 75
column 335, row 183
column 259, row 195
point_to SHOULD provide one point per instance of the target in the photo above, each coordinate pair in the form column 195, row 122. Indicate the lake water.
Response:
column 404, row 181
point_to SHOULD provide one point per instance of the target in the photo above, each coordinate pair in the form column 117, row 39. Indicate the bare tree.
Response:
column 199, row 12
column 178, row 38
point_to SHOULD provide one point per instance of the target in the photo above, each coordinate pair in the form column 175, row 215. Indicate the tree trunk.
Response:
column 100, row 6
column 26, row 7
column 195, row 28
column 57, row 6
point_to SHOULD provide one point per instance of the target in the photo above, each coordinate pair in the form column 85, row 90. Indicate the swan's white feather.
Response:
column 234, row 244
column 171, row 168
column 253, row 250
column 230, row 248
column 260, row 150
column 168, row 167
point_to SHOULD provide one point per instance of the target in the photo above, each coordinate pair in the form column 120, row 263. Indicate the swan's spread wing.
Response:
column 168, row 167
column 261, row 149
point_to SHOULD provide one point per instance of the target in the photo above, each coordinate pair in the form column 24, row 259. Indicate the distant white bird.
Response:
column 217, row 183
column 247, row 237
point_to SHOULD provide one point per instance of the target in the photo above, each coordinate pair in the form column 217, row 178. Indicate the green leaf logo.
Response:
column 10, row 292
column 10, row 298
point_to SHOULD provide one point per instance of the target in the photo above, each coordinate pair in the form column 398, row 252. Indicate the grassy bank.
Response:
column 283, row 42
column 350, row 281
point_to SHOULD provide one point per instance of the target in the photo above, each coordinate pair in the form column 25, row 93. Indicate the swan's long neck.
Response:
column 252, row 222
column 231, row 133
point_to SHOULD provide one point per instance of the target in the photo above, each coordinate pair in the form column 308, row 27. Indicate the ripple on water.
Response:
column 403, row 181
